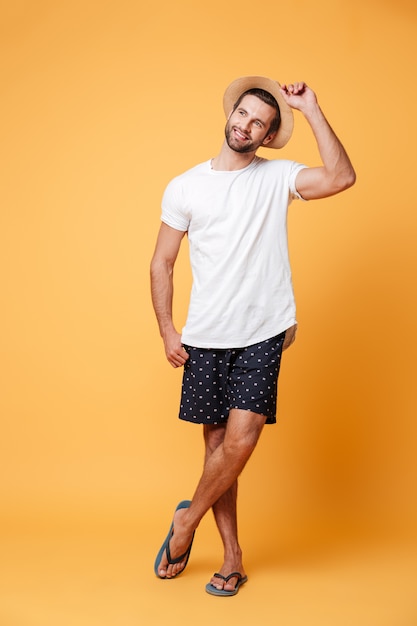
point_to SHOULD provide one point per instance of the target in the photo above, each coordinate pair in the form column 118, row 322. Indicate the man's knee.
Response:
column 214, row 436
column 242, row 433
column 241, row 446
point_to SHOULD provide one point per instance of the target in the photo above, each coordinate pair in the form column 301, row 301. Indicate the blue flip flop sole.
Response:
column 165, row 546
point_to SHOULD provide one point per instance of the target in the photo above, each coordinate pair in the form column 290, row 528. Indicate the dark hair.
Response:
column 266, row 97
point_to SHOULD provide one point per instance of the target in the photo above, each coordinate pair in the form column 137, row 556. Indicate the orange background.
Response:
column 102, row 104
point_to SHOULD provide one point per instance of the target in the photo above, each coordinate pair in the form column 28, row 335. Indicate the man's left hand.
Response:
column 299, row 96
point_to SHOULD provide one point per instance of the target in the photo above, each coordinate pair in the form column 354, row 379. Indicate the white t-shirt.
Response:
column 237, row 229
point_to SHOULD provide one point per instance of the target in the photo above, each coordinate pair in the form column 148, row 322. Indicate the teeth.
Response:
column 240, row 134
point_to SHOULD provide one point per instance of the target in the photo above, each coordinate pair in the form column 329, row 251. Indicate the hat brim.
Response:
column 240, row 85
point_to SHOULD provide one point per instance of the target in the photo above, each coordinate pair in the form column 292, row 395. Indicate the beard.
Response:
column 248, row 146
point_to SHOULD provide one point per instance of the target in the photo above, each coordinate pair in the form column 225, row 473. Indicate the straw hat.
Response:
column 240, row 85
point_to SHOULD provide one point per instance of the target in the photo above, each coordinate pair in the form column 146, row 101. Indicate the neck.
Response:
column 229, row 160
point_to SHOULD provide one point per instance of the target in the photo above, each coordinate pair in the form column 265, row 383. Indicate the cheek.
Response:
column 267, row 138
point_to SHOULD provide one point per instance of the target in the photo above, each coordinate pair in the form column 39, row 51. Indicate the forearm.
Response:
column 162, row 290
column 338, row 169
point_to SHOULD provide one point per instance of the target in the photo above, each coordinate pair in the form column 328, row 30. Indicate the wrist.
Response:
column 313, row 113
column 167, row 331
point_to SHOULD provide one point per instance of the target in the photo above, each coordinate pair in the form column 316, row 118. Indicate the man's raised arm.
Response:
column 336, row 174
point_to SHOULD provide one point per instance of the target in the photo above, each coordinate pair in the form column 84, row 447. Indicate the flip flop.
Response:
column 165, row 546
column 224, row 592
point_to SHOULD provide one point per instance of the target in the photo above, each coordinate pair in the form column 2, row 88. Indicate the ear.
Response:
column 268, row 139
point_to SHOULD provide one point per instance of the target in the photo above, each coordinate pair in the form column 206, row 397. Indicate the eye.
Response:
column 258, row 124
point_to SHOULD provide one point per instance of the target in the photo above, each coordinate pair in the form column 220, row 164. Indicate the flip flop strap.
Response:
column 178, row 559
column 237, row 575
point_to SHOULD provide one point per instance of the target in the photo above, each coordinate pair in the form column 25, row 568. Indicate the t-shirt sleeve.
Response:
column 295, row 168
column 173, row 210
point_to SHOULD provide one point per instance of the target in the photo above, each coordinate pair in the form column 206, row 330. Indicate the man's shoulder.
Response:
column 279, row 169
column 180, row 185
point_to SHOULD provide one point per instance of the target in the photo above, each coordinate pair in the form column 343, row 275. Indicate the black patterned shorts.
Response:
column 216, row 381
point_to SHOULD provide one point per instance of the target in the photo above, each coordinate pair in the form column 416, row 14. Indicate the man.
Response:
column 242, row 311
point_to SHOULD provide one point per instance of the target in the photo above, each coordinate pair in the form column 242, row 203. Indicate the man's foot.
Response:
column 173, row 556
column 227, row 588
column 224, row 581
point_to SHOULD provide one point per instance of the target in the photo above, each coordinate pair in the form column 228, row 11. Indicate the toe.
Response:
column 177, row 569
column 163, row 567
column 170, row 571
column 162, row 571
column 217, row 582
column 231, row 584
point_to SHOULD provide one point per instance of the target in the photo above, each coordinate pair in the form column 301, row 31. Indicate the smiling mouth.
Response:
column 240, row 135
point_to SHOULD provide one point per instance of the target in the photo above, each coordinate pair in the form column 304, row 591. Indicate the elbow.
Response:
column 153, row 266
column 350, row 178
column 155, row 269
column 345, row 180
column 160, row 266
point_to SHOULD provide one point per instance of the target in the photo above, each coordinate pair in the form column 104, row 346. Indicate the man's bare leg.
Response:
column 221, row 470
column 225, row 515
